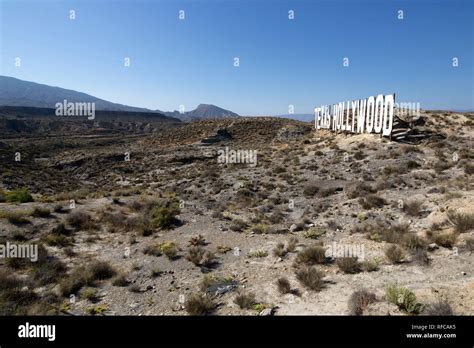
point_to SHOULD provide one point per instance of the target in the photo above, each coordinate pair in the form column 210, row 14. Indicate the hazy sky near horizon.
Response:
column 282, row 62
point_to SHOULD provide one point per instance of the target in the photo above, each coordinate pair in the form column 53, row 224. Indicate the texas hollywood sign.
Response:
column 371, row 115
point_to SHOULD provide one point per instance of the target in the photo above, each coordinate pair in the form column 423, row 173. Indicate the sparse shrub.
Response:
column 411, row 149
column 222, row 249
column 421, row 257
column 310, row 190
column 310, row 277
column 470, row 243
column 413, row 242
column 19, row 236
column 135, row 205
column 135, row 288
column 245, row 300
column 47, row 269
column 100, row 270
column 348, row 264
column 260, row 228
column 238, row 225
column 19, row 196
column 120, row 280
column 412, row 208
column 9, row 281
column 370, row 265
column 80, row 220
column 98, row 310
column 291, row 244
column 153, row 249
column 164, row 216
column 170, row 249
column 200, row 257
column 275, row 218
column 283, row 285
column 89, row 293
column 279, row 250
column 145, row 230
column 411, row 164
column 314, row 233
column 136, row 266
column 440, row 308
column 60, row 229
column 359, row 301
column 210, row 283
column 259, row 307
column 445, row 239
column 15, row 217
column 258, row 253
column 155, row 272
column 73, row 283
column 441, row 166
column 360, row 189
column 463, row 222
column 13, row 299
column 328, row 191
column 379, row 231
column 394, row 253
column 58, row 208
column 114, row 219
column 404, row 298
column 198, row 304
column 195, row 254
column 359, row 155
column 57, row 240
column 41, row 212
column 468, row 168
column 372, row 201
column 197, row 240
column 311, row 255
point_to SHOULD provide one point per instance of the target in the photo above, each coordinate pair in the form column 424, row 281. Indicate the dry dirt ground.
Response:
column 155, row 225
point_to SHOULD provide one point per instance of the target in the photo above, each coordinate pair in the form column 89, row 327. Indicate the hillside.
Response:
column 169, row 225
column 16, row 92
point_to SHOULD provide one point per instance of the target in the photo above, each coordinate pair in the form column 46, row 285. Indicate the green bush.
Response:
column 164, row 216
column 19, row 196
column 404, row 298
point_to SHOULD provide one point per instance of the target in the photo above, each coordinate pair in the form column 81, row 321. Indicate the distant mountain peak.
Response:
column 202, row 111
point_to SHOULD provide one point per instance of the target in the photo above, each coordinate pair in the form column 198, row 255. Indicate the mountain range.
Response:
column 16, row 92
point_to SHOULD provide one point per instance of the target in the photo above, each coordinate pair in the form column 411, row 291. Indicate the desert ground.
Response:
column 146, row 221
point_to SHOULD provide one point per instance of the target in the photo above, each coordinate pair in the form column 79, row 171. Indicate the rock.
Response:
column 293, row 228
column 433, row 246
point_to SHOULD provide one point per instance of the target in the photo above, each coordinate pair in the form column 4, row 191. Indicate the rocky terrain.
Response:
column 152, row 223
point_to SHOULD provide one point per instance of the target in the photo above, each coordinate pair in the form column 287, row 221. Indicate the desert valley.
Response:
column 135, row 214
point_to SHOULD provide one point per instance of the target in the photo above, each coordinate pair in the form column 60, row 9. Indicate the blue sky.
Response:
column 299, row 62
